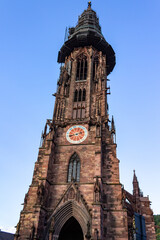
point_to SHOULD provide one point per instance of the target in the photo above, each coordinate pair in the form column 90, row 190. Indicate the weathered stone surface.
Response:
column 96, row 200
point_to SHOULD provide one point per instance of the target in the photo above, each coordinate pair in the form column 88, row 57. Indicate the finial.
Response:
column 89, row 5
column 113, row 125
column 134, row 176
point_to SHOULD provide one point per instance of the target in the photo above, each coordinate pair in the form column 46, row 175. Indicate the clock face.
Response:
column 76, row 134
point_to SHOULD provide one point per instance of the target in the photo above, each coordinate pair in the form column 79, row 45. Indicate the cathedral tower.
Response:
column 75, row 191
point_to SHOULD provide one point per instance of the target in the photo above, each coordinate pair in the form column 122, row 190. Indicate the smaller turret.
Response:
column 136, row 189
column 113, row 129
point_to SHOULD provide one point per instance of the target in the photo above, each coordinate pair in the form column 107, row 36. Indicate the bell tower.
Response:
column 75, row 191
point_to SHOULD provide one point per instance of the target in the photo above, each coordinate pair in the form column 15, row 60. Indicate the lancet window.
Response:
column 75, row 95
column 80, row 96
column 81, row 69
column 79, row 104
column 84, row 95
column 74, row 168
column 95, row 67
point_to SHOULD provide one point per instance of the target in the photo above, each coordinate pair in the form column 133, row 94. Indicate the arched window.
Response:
column 95, row 66
column 81, row 69
column 80, row 95
column 75, row 96
column 74, row 168
column 79, row 104
column 84, row 95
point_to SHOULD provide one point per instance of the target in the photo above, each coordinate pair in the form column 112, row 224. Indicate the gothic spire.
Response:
column 136, row 189
column 134, row 177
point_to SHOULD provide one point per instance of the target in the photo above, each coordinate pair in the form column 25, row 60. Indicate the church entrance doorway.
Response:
column 71, row 230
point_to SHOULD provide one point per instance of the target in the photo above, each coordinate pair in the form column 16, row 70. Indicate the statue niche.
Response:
column 71, row 194
column 97, row 190
column 40, row 194
column 64, row 82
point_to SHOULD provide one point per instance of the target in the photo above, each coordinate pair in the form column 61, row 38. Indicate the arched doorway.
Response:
column 71, row 230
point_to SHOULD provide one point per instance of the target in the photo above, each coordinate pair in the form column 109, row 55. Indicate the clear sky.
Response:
column 31, row 34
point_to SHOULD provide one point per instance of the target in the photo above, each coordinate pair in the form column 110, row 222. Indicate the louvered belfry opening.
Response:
column 79, row 103
column 81, row 69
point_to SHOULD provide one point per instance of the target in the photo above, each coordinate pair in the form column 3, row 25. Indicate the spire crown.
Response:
column 88, row 20
column 87, row 32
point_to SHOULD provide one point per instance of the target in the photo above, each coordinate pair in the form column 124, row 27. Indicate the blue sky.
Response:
column 31, row 34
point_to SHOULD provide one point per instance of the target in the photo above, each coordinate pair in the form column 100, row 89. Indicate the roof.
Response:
column 88, row 33
column 6, row 236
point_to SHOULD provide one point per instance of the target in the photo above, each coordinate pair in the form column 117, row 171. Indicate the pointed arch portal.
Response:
column 73, row 217
column 71, row 230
